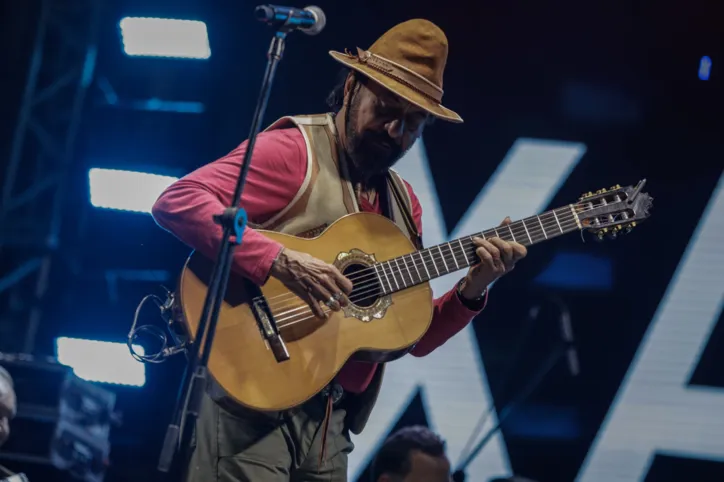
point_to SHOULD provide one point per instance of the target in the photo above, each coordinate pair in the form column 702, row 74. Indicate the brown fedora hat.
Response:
column 409, row 60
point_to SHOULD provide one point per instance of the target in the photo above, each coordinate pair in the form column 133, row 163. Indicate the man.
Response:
column 307, row 172
column 8, row 404
column 412, row 454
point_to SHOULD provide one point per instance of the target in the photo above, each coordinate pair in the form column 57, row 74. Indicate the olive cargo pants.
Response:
column 234, row 444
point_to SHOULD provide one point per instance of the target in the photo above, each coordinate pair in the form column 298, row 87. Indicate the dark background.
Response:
column 619, row 76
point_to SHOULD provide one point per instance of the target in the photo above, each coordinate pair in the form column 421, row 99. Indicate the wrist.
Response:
column 277, row 263
column 470, row 291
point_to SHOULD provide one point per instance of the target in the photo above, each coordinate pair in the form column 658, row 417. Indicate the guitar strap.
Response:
column 394, row 187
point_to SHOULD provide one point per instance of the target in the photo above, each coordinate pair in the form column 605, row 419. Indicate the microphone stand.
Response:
column 558, row 352
column 233, row 220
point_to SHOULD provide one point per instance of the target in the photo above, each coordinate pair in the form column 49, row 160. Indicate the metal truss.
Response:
column 37, row 173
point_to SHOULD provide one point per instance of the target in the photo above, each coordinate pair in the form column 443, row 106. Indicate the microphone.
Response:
column 310, row 20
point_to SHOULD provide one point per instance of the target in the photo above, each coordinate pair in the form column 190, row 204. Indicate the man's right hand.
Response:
column 318, row 283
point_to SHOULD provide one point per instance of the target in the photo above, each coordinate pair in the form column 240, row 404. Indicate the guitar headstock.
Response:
column 610, row 212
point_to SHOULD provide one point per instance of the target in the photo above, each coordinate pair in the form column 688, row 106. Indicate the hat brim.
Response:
column 397, row 88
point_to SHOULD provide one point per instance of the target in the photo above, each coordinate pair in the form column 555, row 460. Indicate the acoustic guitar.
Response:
column 272, row 353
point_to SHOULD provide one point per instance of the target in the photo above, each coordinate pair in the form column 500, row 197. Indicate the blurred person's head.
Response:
column 8, row 404
column 412, row 454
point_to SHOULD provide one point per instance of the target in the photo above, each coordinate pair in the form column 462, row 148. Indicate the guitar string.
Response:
column 374, row 275
column 377, row 279
column 288, row 317
column 371, row 271
column 356, row 297
column 374, row 272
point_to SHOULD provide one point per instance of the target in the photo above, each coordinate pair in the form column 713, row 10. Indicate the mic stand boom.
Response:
column 233, row 220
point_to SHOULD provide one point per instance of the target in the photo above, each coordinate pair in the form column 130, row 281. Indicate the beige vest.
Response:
column 326, row 196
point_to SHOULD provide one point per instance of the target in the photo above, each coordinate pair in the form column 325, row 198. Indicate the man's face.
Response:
column 381, row 127
column 424, row 468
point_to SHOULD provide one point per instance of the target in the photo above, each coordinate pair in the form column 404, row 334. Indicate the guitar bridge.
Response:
column 269, row 329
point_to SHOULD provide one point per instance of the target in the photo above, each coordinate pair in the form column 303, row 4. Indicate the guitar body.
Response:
column 378, row 328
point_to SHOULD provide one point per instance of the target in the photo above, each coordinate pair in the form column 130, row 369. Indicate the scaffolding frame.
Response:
column 32, row 204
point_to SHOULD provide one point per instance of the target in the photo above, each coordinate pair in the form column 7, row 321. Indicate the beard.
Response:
column 372, row 152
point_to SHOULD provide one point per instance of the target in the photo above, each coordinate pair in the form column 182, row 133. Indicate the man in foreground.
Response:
column 307, row 172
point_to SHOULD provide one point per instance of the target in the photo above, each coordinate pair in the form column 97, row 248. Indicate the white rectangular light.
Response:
column 165, row 37
column 102, row 361
column 126, row 190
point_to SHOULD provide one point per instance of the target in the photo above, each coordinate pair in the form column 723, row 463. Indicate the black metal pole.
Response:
column 533, row 384
column 233, row 220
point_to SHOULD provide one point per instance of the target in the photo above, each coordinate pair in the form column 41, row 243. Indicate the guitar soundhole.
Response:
column 366, row 288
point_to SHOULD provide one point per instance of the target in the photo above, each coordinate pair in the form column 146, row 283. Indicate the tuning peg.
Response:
column 630, row 227
column 601, row 233
column 601, row 191
column 585, row 196
column 617, row 186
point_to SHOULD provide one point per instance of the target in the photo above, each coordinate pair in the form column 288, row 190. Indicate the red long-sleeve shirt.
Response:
column 276, row 173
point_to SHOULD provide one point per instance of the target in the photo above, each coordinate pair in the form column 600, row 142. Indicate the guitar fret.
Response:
column 392, row 274
column 462, row 248
column 434, row 264
column 412, row 280
column 455, row 257
column 541, row 226
column 377, row 265
column 401, row 273
column 414, row 265
column 424, row 265
column 443, row 258
column 557, row 222
column 511, row 232
column 526, row 232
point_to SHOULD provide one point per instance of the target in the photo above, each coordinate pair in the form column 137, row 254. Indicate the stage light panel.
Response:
column 165, row 37
column 126, row 190
column 101, row 361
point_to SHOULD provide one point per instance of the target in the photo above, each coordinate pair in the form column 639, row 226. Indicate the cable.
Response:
column 153, row 331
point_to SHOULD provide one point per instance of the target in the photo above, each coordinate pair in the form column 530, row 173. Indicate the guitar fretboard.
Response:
column 420, row 266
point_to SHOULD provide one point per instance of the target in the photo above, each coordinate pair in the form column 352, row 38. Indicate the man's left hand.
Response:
column 497, row 257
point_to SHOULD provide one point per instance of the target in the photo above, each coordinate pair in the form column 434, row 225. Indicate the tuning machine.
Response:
column 586, row 196
column 629, row 227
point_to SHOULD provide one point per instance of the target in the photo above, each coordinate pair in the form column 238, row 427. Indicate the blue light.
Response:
column 704, row 68
column 126, row 190
column 578, row 271
column 165, row 37
column 101, row 361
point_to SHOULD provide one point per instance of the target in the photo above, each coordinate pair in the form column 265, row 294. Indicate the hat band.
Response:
column 399, row 73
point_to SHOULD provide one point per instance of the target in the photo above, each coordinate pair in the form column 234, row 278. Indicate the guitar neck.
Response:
column 420, row 266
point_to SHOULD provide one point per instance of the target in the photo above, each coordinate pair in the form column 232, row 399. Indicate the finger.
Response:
column 478, row 241
column 338, row 292
column 498, row 265
column 486, row 260
column 492, row 249
column 315, row 306
column 519, row 251
column 506, row 221
column 341, row 280
column 506, row 250
column 320, row 293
